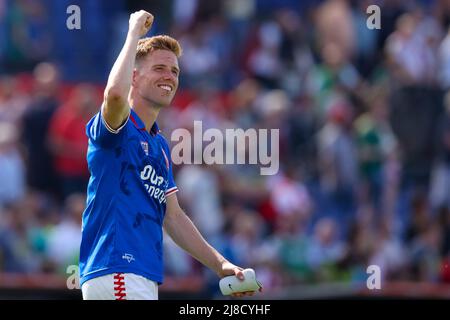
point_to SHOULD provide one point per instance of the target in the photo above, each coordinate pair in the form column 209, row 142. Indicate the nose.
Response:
column 168, row 75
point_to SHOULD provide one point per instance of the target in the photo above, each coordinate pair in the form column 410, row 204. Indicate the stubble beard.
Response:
column 152, row 102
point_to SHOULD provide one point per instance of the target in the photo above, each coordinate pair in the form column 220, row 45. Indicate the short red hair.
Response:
column 160, row 42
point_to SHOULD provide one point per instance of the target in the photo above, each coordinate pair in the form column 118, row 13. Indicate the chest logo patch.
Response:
column 144, row 146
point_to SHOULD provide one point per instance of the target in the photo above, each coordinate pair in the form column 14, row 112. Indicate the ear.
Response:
column 134, row 77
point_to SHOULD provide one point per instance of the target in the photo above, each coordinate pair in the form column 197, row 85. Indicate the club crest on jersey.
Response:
column 144, row 146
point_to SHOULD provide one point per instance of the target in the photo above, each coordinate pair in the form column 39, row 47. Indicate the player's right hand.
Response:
column 140, row 22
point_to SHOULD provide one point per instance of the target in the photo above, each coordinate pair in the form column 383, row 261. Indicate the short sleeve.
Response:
column 99, row 132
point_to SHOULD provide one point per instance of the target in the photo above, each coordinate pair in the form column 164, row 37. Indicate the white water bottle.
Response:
column 231, row 284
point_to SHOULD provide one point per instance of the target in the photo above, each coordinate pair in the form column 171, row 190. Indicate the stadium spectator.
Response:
column 41, row 174
column 67, row 139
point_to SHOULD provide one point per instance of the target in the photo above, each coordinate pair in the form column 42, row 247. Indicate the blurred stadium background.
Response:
column 364, row 119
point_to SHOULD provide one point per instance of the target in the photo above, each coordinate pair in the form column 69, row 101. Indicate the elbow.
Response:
column 172, row 218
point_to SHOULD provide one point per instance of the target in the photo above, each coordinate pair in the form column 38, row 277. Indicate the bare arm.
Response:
column 181, row 229
column 115, row 102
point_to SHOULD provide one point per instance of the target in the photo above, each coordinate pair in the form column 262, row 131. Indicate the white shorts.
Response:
column 120, row 286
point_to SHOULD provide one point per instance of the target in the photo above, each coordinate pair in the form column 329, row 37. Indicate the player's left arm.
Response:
column 186, row 235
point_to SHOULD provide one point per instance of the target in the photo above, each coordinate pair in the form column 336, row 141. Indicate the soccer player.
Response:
column 131, row 194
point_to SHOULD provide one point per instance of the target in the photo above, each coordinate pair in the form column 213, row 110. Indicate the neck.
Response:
column 146, row 110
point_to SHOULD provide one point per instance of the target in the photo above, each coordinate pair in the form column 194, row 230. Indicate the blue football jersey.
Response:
column 131, row 176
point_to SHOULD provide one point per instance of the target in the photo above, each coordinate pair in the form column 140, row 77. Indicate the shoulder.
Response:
column 99, row 132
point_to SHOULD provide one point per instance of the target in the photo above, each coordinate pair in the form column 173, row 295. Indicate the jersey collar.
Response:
column 140, row 125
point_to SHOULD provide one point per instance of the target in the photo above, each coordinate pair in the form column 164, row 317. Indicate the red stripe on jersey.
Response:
column 165, row 158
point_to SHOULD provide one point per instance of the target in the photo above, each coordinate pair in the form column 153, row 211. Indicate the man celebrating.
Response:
column 131, row 191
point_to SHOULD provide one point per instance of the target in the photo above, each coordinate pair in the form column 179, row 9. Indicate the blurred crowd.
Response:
column 364, row 119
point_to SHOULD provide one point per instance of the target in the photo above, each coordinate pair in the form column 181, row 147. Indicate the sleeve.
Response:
column 171, row 187
column 99, row 132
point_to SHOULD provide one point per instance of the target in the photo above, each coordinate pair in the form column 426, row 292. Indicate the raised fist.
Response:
column 140, row 22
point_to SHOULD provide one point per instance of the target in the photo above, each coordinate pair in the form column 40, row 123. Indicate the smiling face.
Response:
column 155, row 78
